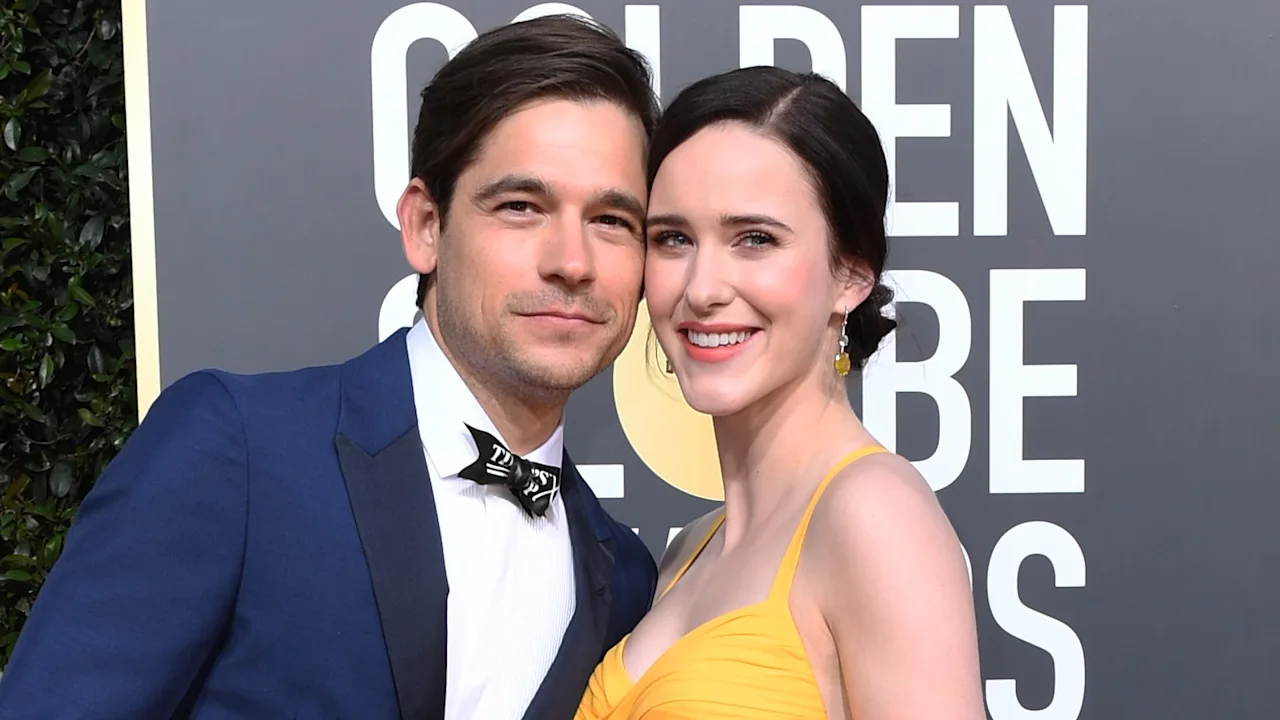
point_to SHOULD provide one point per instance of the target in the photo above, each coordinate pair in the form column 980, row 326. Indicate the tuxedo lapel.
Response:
column 583, row 644
column 382, row 462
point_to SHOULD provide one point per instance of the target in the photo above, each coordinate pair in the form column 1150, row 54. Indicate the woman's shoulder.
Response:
column 684, row 545
column 881, row 493
column 888, row 576
column 880, row 520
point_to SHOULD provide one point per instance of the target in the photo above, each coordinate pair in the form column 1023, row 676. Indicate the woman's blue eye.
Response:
column 670, row 238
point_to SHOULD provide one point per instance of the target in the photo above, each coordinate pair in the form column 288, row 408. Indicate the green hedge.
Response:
column 67, row 382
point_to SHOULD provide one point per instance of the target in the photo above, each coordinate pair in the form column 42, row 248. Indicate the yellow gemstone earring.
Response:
column 843, row 364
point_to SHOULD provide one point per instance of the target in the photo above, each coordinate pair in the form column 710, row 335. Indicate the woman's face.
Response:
column 738, row 273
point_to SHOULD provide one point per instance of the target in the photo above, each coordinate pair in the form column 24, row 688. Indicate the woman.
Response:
column 831, row 583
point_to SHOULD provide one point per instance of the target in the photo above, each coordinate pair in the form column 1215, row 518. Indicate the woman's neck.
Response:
column 778, row 448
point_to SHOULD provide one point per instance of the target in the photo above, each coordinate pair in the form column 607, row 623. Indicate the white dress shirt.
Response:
column 511, row 579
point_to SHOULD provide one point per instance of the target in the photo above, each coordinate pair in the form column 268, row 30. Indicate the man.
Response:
column 400, row 536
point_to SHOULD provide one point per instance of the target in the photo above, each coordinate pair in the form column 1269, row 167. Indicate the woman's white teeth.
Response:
column 710, row 340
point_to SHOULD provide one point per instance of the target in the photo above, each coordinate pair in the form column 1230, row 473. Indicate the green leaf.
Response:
column 46, row 371
column 63, row 333
column 101, row 82
column 33, row 412
column 12, row 133
column 33, row 154
column 19, row 575
column 21, row 66
column 53, row 547
column 118, row 120
column 12, row 344
column 60, row 480
column 16, row 488
column 12, row 243
column 91, row 234
column 19, row 180
column 39, row 85
column 81, row 295
column 97, row 362
column 88, row 418
column 88, row 170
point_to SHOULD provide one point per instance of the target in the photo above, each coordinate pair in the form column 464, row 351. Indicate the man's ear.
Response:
column 419, row 226
column 856, row 283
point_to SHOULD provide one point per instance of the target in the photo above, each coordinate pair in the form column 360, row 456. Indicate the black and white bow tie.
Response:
column 534, row 485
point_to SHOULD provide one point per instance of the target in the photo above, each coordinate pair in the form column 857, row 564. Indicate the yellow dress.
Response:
column 746, row 664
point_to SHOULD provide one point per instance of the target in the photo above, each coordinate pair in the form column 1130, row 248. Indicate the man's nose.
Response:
column 568, row 257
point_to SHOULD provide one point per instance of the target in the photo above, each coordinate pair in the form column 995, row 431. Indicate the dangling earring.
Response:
column 843, row 365
column 670, row 368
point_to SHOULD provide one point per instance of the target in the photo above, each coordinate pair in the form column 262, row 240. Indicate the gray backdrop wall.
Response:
column 1083, row 240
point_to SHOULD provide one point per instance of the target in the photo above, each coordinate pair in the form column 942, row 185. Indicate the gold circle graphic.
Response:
column 674, row 440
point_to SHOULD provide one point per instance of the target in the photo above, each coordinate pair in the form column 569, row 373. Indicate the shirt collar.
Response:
column 444, row 403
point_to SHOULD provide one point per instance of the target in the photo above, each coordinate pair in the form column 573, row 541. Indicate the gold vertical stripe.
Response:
column 142, row 221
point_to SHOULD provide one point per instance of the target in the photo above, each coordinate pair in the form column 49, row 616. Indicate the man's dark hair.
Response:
column 502, row 70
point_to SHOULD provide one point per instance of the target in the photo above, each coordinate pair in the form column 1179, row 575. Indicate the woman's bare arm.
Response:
column 896, row 596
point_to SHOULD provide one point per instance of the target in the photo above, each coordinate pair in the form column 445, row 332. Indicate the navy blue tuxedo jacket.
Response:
column 267, row 546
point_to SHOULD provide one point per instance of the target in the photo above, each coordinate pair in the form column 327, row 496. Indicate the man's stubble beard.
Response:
column 502, row 366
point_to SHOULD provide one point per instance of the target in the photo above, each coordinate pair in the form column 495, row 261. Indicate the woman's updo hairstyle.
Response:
column 835, row 142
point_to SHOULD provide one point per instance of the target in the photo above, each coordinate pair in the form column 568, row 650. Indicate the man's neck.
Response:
column 524, row 422
column 523, row 418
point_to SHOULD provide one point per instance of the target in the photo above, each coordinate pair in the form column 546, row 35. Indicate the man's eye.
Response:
column 615, row 221
column 519, row 206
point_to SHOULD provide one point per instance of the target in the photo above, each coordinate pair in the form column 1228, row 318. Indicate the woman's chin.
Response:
column 716, row 402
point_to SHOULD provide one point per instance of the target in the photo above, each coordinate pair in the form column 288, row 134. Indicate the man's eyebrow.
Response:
column 512, row 184
column 622, row 200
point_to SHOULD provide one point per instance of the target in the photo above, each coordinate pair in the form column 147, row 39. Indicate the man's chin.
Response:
column 555, row 369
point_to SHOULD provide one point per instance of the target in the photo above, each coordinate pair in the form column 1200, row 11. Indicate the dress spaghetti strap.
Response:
column 787, row 570
column 706, row 539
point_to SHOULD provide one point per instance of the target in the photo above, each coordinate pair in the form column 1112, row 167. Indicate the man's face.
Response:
column 539, row 263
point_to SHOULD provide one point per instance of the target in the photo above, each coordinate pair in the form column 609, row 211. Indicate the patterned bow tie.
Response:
column 534, row 485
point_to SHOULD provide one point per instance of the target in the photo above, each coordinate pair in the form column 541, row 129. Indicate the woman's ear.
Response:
column 419, row 226
column 856, row 282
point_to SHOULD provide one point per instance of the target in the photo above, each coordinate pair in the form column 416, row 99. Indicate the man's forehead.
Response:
column 545, row 125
